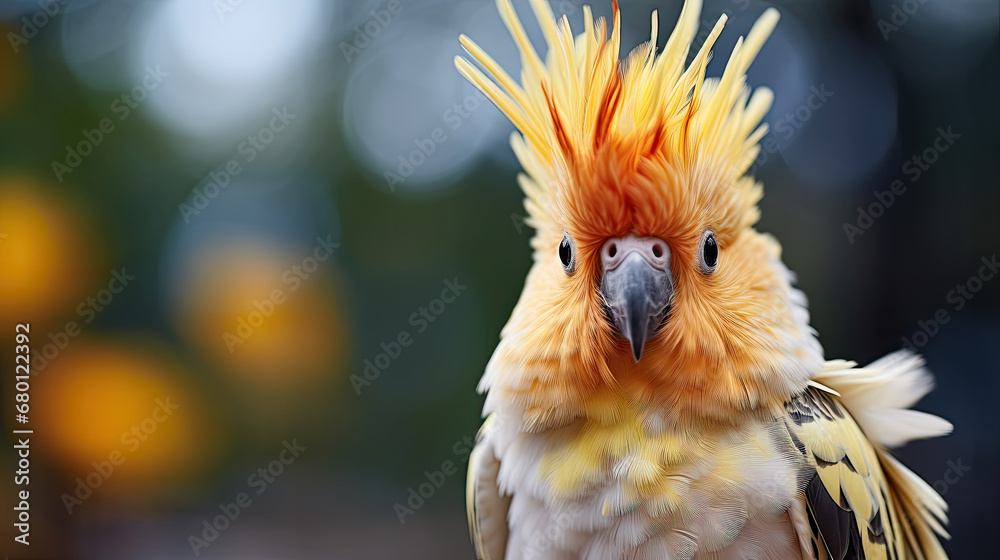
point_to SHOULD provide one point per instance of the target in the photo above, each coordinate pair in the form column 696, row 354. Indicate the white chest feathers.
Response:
column 634, row 487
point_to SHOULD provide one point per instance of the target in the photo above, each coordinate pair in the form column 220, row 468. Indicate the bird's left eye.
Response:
column 567, row 253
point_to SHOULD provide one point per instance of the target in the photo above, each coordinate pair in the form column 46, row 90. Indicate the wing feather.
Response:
column 863, row 503
column 844, row 496
column 485, row 506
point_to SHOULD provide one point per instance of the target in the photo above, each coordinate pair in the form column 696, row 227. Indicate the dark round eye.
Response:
column 708, row 252
column 567, row 253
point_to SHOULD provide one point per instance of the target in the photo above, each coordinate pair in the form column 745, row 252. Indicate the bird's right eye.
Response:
column 567, row 253
column 708, row 252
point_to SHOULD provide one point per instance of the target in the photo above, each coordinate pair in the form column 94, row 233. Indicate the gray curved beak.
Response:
column 637, row 287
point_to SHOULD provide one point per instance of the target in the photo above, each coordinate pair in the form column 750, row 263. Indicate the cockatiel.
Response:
column 657, row 391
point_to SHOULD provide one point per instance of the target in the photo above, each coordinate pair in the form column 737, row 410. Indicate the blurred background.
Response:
column 266, row 249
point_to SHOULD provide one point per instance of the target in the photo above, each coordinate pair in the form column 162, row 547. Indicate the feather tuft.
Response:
column 879, row 397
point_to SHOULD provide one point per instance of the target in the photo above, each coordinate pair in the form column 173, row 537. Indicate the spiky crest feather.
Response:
column 583, row 115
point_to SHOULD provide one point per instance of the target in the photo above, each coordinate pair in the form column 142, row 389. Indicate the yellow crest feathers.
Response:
column 590, row 122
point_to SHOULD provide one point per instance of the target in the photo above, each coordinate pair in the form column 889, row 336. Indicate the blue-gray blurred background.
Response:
column 196, row 217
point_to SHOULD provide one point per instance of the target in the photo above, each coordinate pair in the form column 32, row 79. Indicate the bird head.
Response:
column 648, row 276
